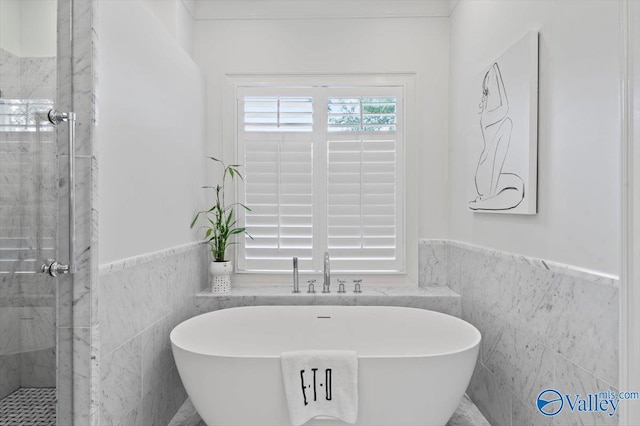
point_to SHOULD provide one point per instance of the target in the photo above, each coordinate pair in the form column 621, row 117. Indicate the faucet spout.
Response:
column 327, row 274
column 296, row 288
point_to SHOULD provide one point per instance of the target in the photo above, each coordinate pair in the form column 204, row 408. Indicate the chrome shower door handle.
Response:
column 53, row 267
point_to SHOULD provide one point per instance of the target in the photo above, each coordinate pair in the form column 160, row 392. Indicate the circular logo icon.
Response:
column 550, row 402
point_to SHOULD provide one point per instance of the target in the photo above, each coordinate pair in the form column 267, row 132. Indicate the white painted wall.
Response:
column 150, row 134
column 177, row 18
column 579, row 128
column 345, row 46
column 342, row 46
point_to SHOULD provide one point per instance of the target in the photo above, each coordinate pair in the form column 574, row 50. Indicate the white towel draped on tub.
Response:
column 321, row 383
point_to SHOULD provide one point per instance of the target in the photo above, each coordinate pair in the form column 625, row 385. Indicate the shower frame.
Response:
column 76, row 332
column 630, row 181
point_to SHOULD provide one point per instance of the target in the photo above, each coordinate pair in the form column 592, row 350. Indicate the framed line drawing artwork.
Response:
column 505, row 146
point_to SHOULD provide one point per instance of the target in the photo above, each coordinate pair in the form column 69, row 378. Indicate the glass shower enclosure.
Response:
column 29, row 210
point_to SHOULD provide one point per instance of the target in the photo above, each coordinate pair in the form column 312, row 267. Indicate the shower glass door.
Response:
column 28, row 211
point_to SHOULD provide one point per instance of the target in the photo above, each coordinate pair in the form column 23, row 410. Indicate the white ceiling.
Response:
column 317, row 9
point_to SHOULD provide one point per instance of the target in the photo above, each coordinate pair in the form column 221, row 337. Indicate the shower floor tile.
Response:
column 29, row 407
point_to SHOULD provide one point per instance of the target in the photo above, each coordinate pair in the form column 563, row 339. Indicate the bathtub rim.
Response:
column 476, row 341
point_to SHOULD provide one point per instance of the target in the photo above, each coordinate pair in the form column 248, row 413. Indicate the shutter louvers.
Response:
column 353, row 206
column 361, row 206
column 277, row 114
column 278, row 182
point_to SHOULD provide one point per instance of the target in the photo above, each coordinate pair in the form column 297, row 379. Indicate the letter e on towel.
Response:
column 321, row 383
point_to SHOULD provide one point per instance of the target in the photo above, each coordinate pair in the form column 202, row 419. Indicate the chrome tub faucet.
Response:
column 327, row 274
column 296, row 288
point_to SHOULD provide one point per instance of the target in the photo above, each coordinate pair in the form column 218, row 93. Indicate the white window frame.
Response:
column 407, row 161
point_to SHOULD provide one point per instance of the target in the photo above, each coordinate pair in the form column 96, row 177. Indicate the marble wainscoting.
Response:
column 543, row 324
column 141, row 300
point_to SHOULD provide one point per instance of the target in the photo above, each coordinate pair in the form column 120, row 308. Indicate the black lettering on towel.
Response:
column 304, row 395
column 317, row 381
column 314, row 383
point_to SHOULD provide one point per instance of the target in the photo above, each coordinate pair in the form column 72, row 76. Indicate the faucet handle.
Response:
column 341, row 286
column 311, row 286
column 356, row 286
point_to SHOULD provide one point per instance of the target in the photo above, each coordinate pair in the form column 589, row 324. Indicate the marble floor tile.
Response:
column 467, row 414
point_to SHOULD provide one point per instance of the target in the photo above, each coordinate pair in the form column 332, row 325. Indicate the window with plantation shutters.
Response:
column 322, row 172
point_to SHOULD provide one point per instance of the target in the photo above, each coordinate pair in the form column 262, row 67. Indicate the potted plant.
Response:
column 219, row 228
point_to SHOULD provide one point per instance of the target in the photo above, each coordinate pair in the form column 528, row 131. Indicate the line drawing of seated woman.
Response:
column 496, row 189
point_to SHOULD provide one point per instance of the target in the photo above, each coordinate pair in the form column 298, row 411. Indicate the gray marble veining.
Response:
column 136, row 296
column 467, row 414
column 578, row 318
column 492, row 397
column 516, row 358
column 38, row 368
column 157, row 357
column 543, row 324
column 432, row 263
column 75, row 359
column 10, row 330
column 121, row 381
column 10, row 373
column 604, row 279
column 38, row 78
column 142, row 299
column 64, row 375
column 148, row 258
column 37, row 328
column 9, row 73
column 523, row 415
column 572, row 379
column 77, row 92
column 28, row 215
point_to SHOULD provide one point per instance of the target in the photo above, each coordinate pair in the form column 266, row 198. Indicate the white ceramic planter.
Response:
column 221, row 276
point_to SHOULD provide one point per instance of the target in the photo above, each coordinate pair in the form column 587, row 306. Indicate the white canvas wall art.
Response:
column 504, row 148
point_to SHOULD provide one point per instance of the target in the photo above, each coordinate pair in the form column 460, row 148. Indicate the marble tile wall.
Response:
column 544, row 325
column 9, row 349
column 72, row 77
column 432, row 264
column 78, row 327
column 141, row 300
column 28, row 212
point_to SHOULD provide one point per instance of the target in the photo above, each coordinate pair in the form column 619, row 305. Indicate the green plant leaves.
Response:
column 220, row 227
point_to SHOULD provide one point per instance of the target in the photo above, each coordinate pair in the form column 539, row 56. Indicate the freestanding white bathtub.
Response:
column 413, row 365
